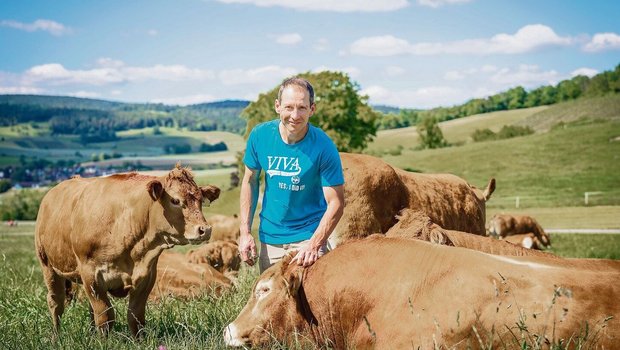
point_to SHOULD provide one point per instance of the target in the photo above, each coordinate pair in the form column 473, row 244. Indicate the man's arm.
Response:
column 247, row 206
column 334, row 196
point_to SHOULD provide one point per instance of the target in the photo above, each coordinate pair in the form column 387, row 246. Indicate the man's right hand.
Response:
column 247, row 248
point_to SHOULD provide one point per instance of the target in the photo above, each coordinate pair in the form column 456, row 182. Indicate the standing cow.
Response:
column 504, row 225
column 107, row 234
column 397, row 293
column 376, row 192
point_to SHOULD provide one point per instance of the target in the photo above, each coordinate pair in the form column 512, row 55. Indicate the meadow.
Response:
column 574, row 150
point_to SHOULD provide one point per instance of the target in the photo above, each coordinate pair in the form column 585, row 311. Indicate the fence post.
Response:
column 585, row 198
column 517, row 202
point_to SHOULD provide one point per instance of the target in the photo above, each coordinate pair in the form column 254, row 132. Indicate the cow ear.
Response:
column 438, row 236
column 210, row 192
column 155, row 189
column 292, row 274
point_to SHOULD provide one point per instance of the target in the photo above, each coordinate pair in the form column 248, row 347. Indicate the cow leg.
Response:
column 136, row 308
column 102, row 311
column 55, row 294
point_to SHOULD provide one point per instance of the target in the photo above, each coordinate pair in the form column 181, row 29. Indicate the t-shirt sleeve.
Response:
column 331, row 167
column 250, row 159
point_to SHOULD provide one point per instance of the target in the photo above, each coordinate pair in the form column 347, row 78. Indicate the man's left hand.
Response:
column 306, row 256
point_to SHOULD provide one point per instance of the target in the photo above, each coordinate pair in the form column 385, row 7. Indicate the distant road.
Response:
column 584, row 230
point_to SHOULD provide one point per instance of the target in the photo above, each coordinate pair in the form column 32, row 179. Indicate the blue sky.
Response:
column 405, row 53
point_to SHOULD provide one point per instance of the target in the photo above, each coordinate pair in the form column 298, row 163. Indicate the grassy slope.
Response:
column 553, row 169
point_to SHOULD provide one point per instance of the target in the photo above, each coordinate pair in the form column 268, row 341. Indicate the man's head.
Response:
column 295, row 105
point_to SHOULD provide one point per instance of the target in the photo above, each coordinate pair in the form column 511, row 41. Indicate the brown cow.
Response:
column 375, row 192
column 415, row 224
column 107, row 233
column 503, row 225
column 222, row 255
column 525, row 240
column 178, row 277
column 225, row 227
column 395, row 293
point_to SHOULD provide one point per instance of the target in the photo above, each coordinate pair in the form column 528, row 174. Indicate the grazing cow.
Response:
column 525, row 240
column 222, row 255
column 225, row 227
column 107, row 234
column 415, row 224
column 375, row 192
column 504, row 225
column 178, row 277
column 396, row 293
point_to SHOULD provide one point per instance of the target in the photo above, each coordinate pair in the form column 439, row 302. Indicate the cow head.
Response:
column 182, row 200
column 274, row 310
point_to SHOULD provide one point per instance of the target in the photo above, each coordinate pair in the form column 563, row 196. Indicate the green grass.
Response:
column 599, row 217
column 177, row 324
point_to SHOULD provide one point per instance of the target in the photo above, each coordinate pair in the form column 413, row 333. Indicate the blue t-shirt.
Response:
column 293, row 202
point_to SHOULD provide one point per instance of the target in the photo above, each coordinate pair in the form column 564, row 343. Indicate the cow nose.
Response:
column 203, row 230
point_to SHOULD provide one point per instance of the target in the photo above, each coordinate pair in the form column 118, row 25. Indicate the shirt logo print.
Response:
column 283, row 166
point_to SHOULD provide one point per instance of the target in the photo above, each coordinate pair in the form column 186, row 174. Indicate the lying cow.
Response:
column 504, row 225
column 415, row 224
column 395, row 293
column 222, row 255
column 107, row 233
column 375, row 192
column 177, row 277
column 525, row 240
column 225, row 227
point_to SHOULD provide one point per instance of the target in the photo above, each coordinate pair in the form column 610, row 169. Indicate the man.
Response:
column 304, row 196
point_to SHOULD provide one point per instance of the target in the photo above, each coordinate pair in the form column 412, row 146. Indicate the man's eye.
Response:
column 175, row 201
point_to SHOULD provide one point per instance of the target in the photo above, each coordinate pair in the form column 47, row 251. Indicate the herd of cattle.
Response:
column 415, row 264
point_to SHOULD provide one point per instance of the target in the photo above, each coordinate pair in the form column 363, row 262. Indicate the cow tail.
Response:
column 489, row 190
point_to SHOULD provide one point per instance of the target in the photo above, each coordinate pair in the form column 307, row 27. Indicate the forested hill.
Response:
column 73, row 115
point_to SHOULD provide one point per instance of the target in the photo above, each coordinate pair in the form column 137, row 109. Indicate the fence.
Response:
column 562, row 199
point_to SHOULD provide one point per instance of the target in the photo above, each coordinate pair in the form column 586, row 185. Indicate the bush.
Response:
column 21, row 205
column 5, row 185
column 506, row 132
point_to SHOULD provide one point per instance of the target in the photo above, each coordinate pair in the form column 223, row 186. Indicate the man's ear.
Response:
column 155, row 189
column 276, row 106
column 210, row 192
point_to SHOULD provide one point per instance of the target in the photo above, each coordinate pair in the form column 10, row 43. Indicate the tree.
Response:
column 430, row 133
column 341, row 111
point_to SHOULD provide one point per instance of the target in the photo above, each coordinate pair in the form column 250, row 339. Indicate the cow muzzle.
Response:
column 231, row 336
column 200, row 233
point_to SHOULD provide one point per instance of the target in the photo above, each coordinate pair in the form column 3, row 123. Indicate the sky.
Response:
column 402, row 53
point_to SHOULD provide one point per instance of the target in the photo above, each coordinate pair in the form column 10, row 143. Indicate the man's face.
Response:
column 294, row 109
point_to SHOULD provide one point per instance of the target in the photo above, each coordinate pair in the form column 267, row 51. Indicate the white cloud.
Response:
column 454, row 75
column 46, row 25
column 185, row 100
column 394, row 71
column 152, row 32
column 321, row 44
column 526, row 76
column 289, row 39
column 528, row 38
column 20, row 90
column 85, row 94
column 267, row 76
column 353, row 72
column 384, row 45
column 328, row 5
column 588, row 72
column 425, row 97
column 602, row 42
column 109, row 71
column 438, row 3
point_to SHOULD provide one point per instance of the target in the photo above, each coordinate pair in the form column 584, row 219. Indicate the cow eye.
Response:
column 175, row 201
column 262, row 291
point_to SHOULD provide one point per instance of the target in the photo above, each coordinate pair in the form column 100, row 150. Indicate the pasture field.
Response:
column 551, row 169
column 176, row 324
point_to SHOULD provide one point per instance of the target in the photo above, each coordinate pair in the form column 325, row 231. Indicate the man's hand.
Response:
column 306, row 256
column 247, row 249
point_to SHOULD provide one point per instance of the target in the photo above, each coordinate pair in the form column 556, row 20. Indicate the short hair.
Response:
column 296, row 81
